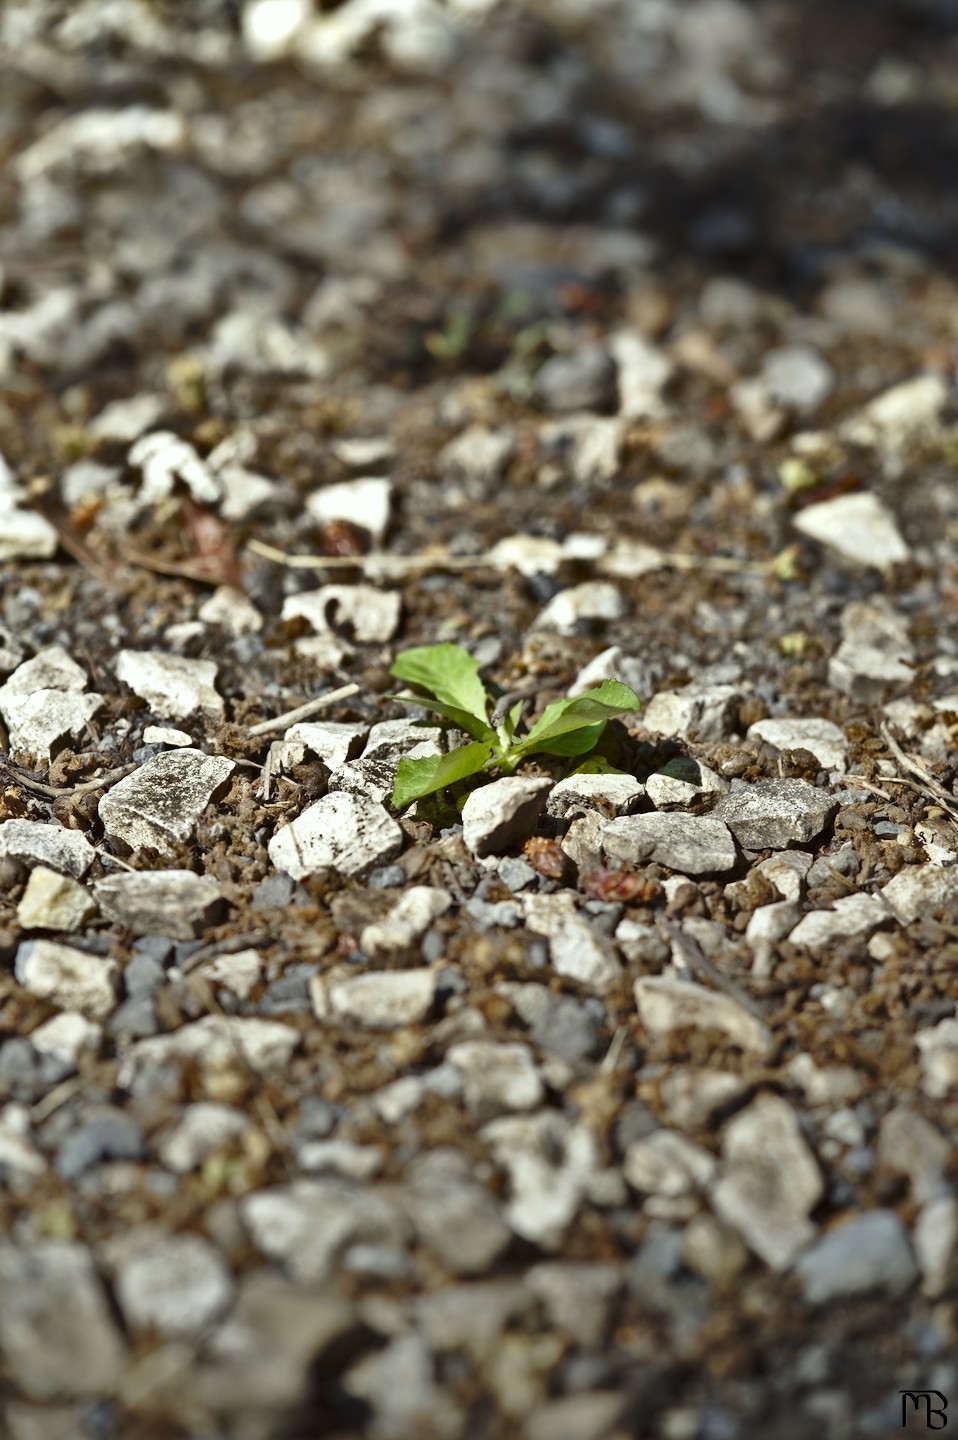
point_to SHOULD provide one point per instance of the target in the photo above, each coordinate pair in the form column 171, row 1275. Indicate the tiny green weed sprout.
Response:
column 446, row 680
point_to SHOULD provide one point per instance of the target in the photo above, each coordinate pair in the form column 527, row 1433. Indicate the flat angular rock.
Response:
column 57, row 1334
column 643, row 372
column 581, row 380
column 478, row 454
column 775, row 814
column 383, row 1000
column 362, row 613
column 938, row 1046
column 935, row 1238
column 64, row 1038
column 579, row 952
column 854, row 917
column 365, row 502
column 173, row 686
column 216, row 1041
column 499, row 815
column 205, row 1128
column 25, row 535
column 70, row 979
column 770, row 1181
column 550, row 1163
column 407, row 921
column 915, row 891
column 866, row 1255
column 344, row 832
column 497, row 1077
column 682, row 782
column 44, row 705
column 666, row 1004
column 157, row 806
column 50, row 669
column 334, row 743
column 665, row 1163
column 875, row 655
column 391, row 739
column 609, row 794
column 857, row 528
column 690, row 844
column 54, row 902
column 176, row 903
column 705, row 709
column 820, row 737
column 453, row 1213
column 164, row 458
column 798, row 377
column 593, row 600
column 176, row 1286
column 307, row 1225
column 68, row 852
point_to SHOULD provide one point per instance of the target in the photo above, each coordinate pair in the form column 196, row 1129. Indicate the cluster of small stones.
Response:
column 614, row 1103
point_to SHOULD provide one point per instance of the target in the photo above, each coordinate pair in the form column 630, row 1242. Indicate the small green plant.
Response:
column 446, row 679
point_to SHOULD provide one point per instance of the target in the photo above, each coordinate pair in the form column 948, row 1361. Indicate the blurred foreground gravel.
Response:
column 606, row 338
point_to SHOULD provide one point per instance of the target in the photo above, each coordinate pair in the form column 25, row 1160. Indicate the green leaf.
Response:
column 575, row 742
column 449, row 673
column 610, row 699
column 416, row 778
column 460, row 718
column 597, row 765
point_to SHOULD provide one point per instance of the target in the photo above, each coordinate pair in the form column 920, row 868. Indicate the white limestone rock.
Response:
column 366, row 502
column 54, row 902
column 769, row 1181
column 307, row 1225
column 216, row 1042
column 580, row 952
column 204, row 1128
column 173, row 686
column 497, row 1077
column 65, row 1038
column 821, row 738
column 689, row 844
column 643, row 373
column 344, row 832
column 497, row 816
column 230, row 610
column 775, row 814
column 593, row 600
column 708, row 710
column 683, row 781
column 333, row 742
column 157, row 806
column 164, row 458
column 68, row 852
column 857, row 528
column 668, row 1164
column 853, row 917
column 479, row 454
column 666, row 1004
column 875, row 655
column 381, row 1000
column 370, row 616
column 176, row 903
column 915, row 891
column 551, row 1164
column 175, row 1286
column 70, row 979
column 397, row 934
column 25, row 535
column 50, row 1288
column 609, row 794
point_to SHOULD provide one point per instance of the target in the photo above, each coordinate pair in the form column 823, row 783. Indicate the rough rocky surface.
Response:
column 608, row 339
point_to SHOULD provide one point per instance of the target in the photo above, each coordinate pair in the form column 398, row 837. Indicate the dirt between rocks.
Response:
column 606, row 340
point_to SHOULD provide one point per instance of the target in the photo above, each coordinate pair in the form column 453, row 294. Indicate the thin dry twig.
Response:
column 302, row 712
column 55, row 792
column 926, row 783
column 690, row 952
column 380, row 562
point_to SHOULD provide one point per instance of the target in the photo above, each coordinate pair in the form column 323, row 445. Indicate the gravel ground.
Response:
column 605, row 338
